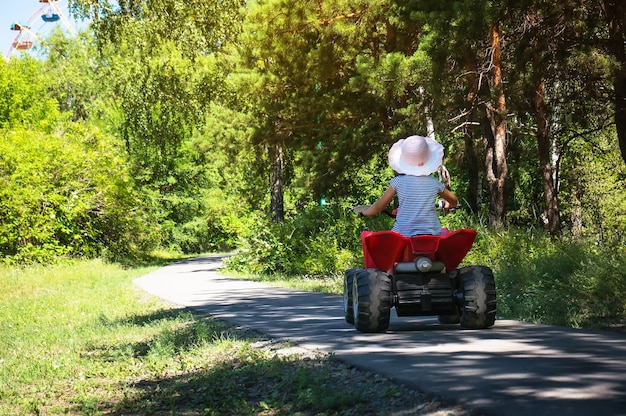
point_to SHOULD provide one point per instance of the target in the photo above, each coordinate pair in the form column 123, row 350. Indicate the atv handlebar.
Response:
column 391, row 214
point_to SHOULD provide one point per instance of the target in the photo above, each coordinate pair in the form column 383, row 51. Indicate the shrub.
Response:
column 214, row 223
column 568, row 282
column 315, row 241
column 68, row 193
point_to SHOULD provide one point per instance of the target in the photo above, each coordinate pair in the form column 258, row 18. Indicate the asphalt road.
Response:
column 511, row 369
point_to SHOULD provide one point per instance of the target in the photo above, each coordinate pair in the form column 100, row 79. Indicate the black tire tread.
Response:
column 372, row 308
column 348, row 283
column 479, row 297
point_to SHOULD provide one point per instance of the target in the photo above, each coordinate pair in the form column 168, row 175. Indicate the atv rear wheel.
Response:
column 348, row 309
column 479, row 297
column 371, row 295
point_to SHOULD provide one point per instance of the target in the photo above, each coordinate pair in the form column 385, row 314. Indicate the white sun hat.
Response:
column 416, row 155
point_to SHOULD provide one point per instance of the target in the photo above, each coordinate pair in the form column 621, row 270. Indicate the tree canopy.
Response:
column 213, row 112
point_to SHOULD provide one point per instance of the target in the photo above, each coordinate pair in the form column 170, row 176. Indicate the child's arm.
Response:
column 450, row 198
column 378, row 206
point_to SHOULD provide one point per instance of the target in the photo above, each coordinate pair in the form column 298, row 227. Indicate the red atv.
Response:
column 419, row 277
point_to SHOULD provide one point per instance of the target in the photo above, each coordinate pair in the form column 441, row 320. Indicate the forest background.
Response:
column 197, row 126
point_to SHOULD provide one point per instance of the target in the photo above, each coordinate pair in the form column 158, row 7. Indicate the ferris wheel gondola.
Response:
column 49, row 12
column 50, row 17
column 25, row 37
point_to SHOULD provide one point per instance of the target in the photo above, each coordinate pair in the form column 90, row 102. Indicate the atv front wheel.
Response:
column 479, row 297
column 348, row 280
column 371, row 295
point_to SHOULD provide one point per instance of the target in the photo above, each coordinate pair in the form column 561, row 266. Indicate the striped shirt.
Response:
column 417, row 213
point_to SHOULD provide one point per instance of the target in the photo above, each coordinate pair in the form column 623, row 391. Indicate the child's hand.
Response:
column 360, row 209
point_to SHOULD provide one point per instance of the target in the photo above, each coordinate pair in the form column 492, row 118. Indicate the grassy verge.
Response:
column 80, row 338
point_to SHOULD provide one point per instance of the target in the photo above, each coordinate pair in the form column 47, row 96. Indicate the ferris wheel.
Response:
column 49, row 12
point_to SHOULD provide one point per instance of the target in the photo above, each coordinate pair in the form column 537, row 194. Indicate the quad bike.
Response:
column 419, row 277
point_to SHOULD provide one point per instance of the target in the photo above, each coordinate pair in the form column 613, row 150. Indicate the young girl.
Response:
column 414, row 159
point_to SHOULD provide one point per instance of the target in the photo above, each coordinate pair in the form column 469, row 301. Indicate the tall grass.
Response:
column 578, row 283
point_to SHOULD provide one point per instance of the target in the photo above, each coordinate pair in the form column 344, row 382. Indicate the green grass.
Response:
column 80, row 338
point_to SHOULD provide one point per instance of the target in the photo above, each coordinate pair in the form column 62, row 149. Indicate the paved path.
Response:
column 512, row 369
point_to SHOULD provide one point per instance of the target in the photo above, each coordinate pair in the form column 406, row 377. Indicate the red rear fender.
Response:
column 384, row 248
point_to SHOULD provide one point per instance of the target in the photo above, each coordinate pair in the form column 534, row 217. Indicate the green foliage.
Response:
column 570, row 282
column 23, row 96
column 318, row 81
column 68, row 193
column 210, row 190
column 160, row 58
column 199, row 28
column 216, row 226
column 595, row 186
column 79, row 83
column 160, row 109
column 179, row 154
column 316, row 241
column 160, row 61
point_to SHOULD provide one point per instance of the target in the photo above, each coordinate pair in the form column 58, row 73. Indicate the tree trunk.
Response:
column 471, row 158
column 277, row 207
column 543, row 144
column 576, row 214
column 620, row 111
column 495, row 137
column 473, row 171
column 616, row 19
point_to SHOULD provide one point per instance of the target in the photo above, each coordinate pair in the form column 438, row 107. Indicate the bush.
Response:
column 213, row 224
column 315, row 241
column 570, row 282
column 68, row 194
